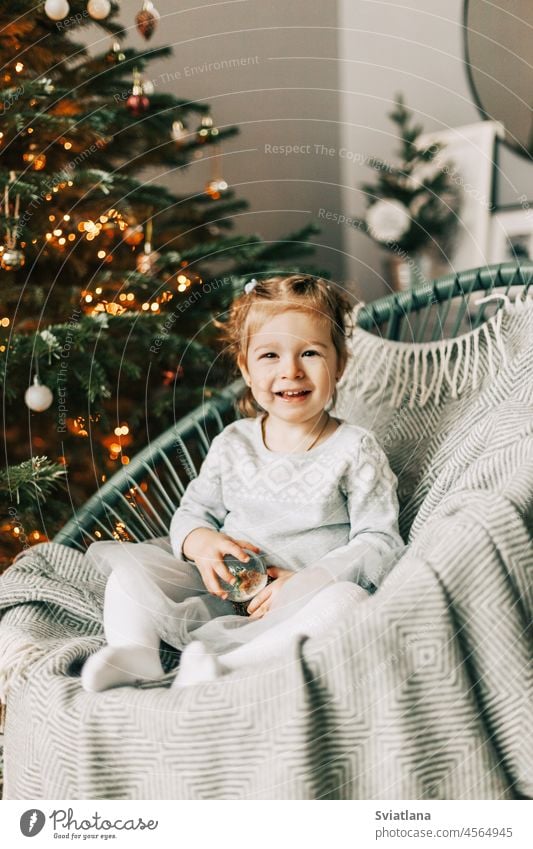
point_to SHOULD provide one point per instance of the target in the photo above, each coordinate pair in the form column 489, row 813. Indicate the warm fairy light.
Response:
column 154, row 307
column 66, row 217
column 101, row 254
column 16, row 531
column 122, row 297
column 131, row 296
column 121, row 431
column 70, row 183
column 51, row 218
column 124, row 460
column 55, row 188
column 88, row 298
column 104, row 218
column 98, row 290
column 36, row 534
column 62, row 240
column 71, row 237
column 67, row 145
column 30, row 130
column 182, row 278
column 4, row 322
column 19, row 67
column 48, row 236
column 115, row 448
column 48, row 197
column 57, row 232
column 145, row 306
column 97, row 533
column 2, row 348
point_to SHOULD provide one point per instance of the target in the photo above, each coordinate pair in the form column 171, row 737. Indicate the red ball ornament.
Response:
column 137, row 104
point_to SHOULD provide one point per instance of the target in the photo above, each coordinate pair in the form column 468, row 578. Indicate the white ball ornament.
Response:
column 99, row 9
column 38, row 397
column 56, row 10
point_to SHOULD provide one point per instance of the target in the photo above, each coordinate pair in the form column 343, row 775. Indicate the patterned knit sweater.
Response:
column 333, row 506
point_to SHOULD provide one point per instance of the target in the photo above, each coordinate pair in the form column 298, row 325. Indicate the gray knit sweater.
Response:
column 333, row 506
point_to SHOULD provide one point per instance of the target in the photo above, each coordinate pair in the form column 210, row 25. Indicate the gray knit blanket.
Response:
column 423, row 692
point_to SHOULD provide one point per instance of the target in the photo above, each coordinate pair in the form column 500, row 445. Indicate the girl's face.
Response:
column 292, row 352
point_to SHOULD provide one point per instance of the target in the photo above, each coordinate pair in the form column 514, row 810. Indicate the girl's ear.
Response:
column 241, row 362
column 341, row 365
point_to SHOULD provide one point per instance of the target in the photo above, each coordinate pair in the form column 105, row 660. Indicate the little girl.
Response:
column 313, row 494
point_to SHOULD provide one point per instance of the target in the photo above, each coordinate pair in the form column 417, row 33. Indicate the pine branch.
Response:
column 30, row 482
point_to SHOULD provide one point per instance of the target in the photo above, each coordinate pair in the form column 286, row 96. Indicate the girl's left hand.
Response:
column 261, row 603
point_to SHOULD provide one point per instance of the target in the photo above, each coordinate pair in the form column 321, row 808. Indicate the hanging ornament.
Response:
column 147, row 19
column 217, row 184
column 147, row 259
column 11, row 258
column 99, row 9
column 178, row 133
column 134, row 235
column 56, row 9
column 38, row 397
column 116, row 54
column 137, row 102
column 206, row 131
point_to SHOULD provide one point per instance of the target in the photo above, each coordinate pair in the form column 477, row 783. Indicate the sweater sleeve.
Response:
column 202, row 503
column 374, row 540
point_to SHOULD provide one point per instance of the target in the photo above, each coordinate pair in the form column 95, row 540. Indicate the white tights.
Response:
column 148, row 585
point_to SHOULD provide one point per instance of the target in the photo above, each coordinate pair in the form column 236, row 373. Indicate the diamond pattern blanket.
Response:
column 423, row 692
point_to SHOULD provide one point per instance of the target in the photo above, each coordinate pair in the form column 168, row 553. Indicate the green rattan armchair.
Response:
column 138, row 501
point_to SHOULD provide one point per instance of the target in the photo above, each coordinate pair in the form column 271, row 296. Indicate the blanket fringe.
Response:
column 420, row 372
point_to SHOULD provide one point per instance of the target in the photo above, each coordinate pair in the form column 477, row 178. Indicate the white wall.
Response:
column 286, row 95
column 322, row 75
column 413, row 47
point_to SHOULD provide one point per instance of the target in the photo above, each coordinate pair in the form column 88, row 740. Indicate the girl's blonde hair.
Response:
column 269, row 297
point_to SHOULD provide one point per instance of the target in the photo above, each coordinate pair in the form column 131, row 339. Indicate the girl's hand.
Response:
column 262, row 602
column 207, row 548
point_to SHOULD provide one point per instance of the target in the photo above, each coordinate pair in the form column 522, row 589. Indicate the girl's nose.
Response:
column 292, row 368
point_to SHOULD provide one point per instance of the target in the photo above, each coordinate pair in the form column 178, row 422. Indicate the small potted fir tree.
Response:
column 412, row 208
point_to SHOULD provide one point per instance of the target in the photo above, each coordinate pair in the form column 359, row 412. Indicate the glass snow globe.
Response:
column 251, row 576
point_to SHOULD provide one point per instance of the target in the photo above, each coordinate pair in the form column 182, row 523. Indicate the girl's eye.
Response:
column 271, row 353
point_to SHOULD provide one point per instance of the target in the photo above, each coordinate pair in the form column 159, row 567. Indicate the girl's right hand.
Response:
column 207, row 548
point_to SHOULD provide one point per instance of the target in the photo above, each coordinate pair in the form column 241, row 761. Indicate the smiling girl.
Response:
column 311, row 493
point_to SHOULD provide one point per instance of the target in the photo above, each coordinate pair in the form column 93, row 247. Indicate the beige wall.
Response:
column 320, row 75
column 416, row 48
column 286, row 94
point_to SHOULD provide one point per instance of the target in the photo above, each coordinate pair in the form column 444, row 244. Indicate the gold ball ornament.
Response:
column 134, row 235
column 98, row 9
column 38, row 397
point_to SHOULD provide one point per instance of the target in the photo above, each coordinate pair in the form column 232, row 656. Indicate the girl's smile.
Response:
column 292, row 368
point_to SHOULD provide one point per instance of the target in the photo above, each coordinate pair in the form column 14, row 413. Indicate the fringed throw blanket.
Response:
column 423, row 692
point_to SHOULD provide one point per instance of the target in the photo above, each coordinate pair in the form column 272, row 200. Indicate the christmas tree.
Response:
column 108, row 283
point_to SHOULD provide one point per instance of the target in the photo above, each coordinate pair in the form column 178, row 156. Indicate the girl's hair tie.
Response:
column 248, row 287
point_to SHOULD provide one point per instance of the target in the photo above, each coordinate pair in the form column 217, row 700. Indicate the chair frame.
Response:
column 392, row 315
